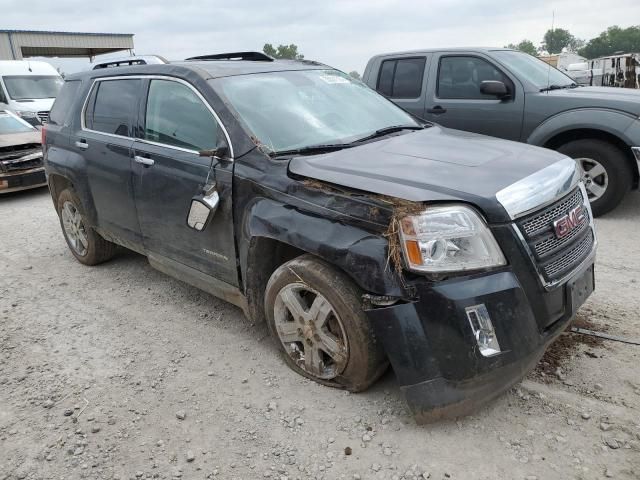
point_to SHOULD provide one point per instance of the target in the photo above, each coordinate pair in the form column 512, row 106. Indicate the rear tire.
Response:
column 337, row 346
column 85, row 243
column 607, row 174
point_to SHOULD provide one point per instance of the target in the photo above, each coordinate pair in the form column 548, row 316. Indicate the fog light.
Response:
column 483, row 330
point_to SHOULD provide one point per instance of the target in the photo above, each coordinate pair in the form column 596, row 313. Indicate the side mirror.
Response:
column 203, row 208
column 494, row 87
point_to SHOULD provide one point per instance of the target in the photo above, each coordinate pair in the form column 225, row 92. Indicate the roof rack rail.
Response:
column 129, row 61
column 250, row 56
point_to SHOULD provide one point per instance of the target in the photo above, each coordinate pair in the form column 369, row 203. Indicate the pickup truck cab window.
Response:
column 461, row 76
column 402, row 77
column 112, row 105
column 176, row 116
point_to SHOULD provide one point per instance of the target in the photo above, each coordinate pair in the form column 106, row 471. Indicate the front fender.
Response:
column 360, row 254
column 614, row 122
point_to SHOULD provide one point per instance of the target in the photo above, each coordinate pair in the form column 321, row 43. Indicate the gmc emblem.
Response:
column 565, row 225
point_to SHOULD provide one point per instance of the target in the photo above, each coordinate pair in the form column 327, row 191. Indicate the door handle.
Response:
column 437, row 110
column 144, row 161
column 82, row 144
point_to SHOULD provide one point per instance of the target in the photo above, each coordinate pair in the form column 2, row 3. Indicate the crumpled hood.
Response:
column 624, row 99
column 435, row 164
column 13, row 139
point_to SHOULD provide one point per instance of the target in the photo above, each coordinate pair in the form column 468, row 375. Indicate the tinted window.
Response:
column 112, row 106
column 63, row 102
column 176, row 116
column 401, row 78
column 460, row 77
column 385, row 82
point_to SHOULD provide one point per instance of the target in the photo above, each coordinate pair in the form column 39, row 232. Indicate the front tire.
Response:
column 314, row 313
column 85, row 243
column 606, row 172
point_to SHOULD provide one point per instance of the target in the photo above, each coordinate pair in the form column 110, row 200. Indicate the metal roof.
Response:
column 17, row 44
column 203, row 69
column 65, row 33
column 228, row 68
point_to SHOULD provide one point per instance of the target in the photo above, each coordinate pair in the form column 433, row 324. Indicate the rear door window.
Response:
column 402, row 77
column 175, row 115
column 112, row 106
column 385, row 81
column 63, row 102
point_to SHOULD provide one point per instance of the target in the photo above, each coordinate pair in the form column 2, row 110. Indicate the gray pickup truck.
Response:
column 512, row 95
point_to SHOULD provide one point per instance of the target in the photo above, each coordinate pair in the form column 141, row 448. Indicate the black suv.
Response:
column 362, row 235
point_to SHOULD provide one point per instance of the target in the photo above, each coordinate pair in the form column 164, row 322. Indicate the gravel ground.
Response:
column 119, row 371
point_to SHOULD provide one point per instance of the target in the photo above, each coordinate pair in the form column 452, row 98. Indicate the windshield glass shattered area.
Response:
column 296, row 109
column 27, row 87
column 8, row 124
column 539, row 73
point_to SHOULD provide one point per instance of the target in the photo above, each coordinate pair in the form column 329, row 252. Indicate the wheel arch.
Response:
column 57, row 183
column 567, row 136
column 275, row 233
column 609, row 125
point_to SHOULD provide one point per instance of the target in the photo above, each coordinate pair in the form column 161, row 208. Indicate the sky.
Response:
column 340, row 33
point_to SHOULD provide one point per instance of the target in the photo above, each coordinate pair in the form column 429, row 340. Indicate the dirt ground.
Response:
column 120, row 372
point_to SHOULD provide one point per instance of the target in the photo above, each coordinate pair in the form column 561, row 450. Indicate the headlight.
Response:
column 448, row 239
column 26, row 114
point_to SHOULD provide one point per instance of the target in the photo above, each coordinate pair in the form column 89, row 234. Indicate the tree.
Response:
column 355, row 75
column 613, row 39
column 558, row 38
column 525, row 46
column 283, row 51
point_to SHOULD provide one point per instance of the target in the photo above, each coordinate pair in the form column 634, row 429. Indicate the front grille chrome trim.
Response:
column 540, row 189
column 589, row 258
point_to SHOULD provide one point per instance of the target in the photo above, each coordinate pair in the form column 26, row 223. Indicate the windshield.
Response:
column 539, row 73
column 295, row 109
column 9, row 124
column 28, row 87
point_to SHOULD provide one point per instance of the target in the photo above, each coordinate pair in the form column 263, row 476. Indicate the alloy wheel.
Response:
column 74, row 228
column 594, row 176
column 311, row 331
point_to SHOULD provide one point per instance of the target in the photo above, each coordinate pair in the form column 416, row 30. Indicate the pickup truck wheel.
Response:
column 84, row 242
column 314, row 313
column 606, row 173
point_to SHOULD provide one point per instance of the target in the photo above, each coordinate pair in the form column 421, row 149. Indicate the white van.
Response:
column 29, row 88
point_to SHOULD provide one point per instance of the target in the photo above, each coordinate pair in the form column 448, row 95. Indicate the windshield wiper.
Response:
column 387, row 130
column 558, row 87
column 311, row 149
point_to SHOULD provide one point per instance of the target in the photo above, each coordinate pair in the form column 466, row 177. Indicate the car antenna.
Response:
column 553, row 18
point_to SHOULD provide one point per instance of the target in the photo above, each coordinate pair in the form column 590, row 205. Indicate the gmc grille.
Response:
column 20, row 157
column 556, row 257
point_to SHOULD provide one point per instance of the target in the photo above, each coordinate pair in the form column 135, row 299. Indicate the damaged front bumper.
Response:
column 22, row 180
column 435, row 354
